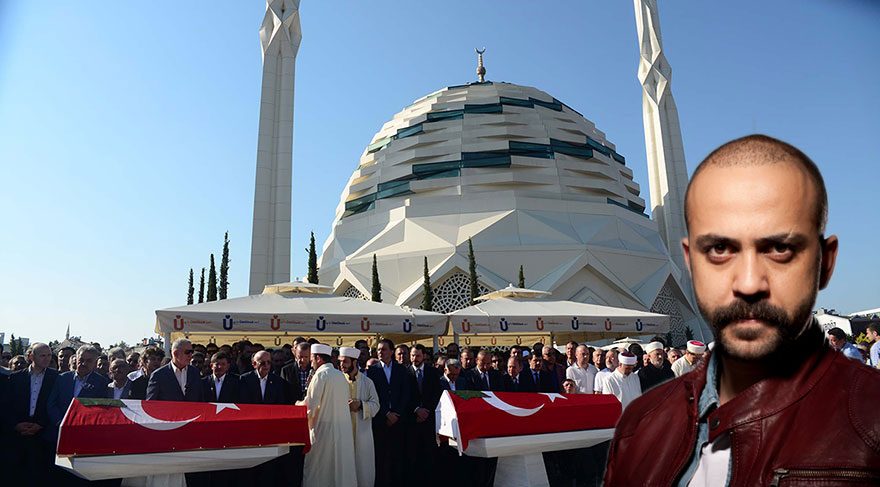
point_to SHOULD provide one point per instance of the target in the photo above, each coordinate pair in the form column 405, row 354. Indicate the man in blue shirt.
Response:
column 837, row 340
column 873, row 333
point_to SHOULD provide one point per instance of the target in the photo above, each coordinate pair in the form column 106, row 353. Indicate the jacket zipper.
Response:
column 781, row 473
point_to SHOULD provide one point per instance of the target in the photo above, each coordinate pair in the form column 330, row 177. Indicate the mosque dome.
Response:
column 530, row 180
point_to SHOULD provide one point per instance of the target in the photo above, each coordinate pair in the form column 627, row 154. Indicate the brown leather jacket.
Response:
column 816, row 424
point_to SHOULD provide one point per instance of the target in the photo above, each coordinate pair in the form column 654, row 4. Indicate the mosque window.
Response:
column 455, row 293
column 353, row 292
column 631, row 207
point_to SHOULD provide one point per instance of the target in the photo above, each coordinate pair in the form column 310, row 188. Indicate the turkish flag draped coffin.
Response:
column 468, row 415
column 121, row 427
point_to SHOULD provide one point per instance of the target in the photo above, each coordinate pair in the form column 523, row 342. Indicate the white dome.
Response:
column 530, row 180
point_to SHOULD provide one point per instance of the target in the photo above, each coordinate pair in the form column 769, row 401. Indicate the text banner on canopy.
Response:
column 468, row 415
column 124, row 427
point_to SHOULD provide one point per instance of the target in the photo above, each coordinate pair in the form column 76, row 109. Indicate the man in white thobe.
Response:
column 692, row 356
column 622, row 383
column 364, row 404
column 331, row 458
column 582, row 372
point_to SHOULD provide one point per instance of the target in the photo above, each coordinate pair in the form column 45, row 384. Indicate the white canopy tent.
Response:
column 517, row 311
column 298, row 308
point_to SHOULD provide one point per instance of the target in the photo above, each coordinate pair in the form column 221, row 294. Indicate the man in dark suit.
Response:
column 177, row 381
column 221, row 385
column 26, row 418
column 483, row 376
column 259, row 386
column 297, row 372
column 397, row 400
column 150, row 360
column 515, row 380
column 421, row 433
column 119, row 386
column 454, row 378
column 540, row 377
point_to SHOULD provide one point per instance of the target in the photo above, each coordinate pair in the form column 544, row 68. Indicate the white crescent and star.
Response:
column 496, row 402
column 134, row 411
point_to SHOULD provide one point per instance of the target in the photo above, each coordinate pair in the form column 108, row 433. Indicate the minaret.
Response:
column 280, row 36
column 667, row 172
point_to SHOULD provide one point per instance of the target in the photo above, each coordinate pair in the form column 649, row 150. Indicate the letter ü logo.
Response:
column 178, row 323
column 227, row 322
column 575, row 324
column 639, row 325
column 275, row 322
column 539, row 323
column 365, row 324
column 321, row 323
column 465, row 326
column 503, row 323
column 608, row 324
column 407, row 325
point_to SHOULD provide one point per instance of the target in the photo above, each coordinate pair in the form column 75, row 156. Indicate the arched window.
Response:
column 455, row 293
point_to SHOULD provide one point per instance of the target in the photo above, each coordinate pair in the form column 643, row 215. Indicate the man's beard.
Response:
column 747, row 344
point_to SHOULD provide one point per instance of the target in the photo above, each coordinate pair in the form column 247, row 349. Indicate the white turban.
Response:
column 696, row 347
column 627, row 358
column 321, row 349
column 653, row 346
column 349, row 352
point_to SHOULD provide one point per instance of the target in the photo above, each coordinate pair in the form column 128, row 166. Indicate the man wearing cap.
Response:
column 771, row 404
column 363, row 405
column 331, row 458
column 695, row 351
column 622, row 383
column 657, row 371
column 837, row 340
column 582, row 372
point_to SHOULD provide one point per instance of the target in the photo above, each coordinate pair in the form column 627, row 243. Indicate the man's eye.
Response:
column 718, row 249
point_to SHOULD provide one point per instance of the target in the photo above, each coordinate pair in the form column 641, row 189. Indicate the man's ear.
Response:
column 829, row 258
column 685, row 247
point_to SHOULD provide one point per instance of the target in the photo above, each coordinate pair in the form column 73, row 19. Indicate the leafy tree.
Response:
column 121, row 345
column 313, row 260
column 224, row 268
column 53, row 344
column 190, row 291
column 212, row 281
column 427, row 292
column 688, row 333
column 522, row 278
column 377, row 286
column 202, row 287
column 472, row 271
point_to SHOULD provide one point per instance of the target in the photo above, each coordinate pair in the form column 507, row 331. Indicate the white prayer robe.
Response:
column 624, row 387
column 362, row 423
column 331, row 458
column 682, row 366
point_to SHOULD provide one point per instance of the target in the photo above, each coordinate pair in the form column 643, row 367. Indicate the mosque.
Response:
column 528, row 179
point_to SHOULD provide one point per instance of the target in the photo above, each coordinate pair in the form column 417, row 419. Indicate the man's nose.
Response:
column 751, row 278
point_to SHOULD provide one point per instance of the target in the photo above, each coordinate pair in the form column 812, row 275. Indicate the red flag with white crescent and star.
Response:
column 121, row 427
column 467, row 415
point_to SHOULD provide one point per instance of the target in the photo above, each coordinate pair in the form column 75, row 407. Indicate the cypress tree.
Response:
column 522, row 278
column 377, row 286
column 427, row 292
column 212, row 281
column 190, row 291
column 202, row 287
column 472, row 270
column 313, row 260
column 224, row 268
column 13, row 347
column 688, row 333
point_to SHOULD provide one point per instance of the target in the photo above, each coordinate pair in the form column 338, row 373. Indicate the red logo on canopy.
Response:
column 178, row 323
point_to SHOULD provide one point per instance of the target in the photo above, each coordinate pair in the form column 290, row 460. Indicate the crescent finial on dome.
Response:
column 481, row 70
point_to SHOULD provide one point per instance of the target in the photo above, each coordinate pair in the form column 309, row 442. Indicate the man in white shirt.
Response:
column 695, row 351
column 119, row 385
column 622, row 383
column 610, row 366
column 583, row 373
column 873, row 333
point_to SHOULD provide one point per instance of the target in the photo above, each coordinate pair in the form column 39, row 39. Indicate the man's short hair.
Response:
column 419, row 347
column 837, row 333
column 117, row 362
column 388, row 342
column 873, row 327
column 152, row 352
column 303, row 347
column 324, row 357
column 67, row 348
column 759, row 150
column 34, row 346
column 87, row 349
column 179, row 343
column 572, row 343
column 453, row 362
column 220, row 356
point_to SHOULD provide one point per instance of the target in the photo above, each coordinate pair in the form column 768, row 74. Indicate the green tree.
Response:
column 472, row 271
column 202, row 287
column 212, row 281
column 14, row 345
column 522, row 278
column 377, row 286
column 313, row 260
column 688, row 333
column 190, row 291
column 224, row 268
column 427, row 292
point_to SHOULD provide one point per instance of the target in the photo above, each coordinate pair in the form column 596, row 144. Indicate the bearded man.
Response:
column 771, row 404
column 364, row 404
column 657, row 371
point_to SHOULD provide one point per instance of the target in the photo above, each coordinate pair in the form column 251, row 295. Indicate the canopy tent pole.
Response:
column 166, row 342
column 455, row 339
column 436, row 344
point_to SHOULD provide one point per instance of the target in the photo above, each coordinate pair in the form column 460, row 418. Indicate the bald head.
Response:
column 760, row 150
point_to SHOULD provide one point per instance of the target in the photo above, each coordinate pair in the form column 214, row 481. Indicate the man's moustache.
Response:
column 741, row 310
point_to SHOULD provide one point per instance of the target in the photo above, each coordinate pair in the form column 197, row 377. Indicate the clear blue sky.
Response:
column 128, row 129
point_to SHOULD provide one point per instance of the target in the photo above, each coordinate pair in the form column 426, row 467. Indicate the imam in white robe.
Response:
column 363, row 389
column 331, row 458
column 624, row 387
